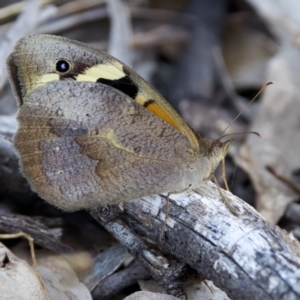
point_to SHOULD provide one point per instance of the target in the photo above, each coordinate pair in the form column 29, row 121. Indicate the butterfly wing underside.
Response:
column 83, row 144
column 38, row 54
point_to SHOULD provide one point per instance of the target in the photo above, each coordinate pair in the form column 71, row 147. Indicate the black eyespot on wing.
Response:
column 148, row 102
column 62, row 66
column 124, row 84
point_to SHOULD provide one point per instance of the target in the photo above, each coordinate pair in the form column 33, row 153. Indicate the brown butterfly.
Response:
column 93, row 132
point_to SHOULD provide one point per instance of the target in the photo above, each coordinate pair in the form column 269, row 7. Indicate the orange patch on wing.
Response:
column 164, row 111
column 163, row 114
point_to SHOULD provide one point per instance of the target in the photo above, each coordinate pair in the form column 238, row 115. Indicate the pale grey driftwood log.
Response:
column 245, row 256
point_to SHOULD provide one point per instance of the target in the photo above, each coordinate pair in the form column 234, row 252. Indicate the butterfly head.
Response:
column 219, row 149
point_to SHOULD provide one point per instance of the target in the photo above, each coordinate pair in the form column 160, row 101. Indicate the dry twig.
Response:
column 244, row 256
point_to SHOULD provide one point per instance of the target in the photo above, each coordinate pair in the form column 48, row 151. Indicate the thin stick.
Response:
column 289, row 183
column 77, row 6
column 15, row 8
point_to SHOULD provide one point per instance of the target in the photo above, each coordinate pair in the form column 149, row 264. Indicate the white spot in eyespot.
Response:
column 57, row 149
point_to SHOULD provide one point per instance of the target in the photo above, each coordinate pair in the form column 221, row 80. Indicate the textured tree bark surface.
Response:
column 245, row 256
column 42, row 235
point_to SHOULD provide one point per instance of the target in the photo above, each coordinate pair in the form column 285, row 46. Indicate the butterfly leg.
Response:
column 168, row 210
column 224, row 175
column 228, row 203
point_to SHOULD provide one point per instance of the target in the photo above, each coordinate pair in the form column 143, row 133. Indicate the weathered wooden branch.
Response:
column 104, row 264
column 245, row 256
column 42, row 235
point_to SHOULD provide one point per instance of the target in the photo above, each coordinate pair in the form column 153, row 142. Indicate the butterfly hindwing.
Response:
column 108, row 143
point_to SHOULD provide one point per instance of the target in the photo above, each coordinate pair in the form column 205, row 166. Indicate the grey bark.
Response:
column 244, row 256
column 114, row 284
column 104, row 264
column 42, row 235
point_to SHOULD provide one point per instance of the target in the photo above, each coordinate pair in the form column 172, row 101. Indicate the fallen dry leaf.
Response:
column 18, row 279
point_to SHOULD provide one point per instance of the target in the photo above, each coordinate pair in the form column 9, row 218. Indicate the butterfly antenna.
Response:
column 255, row 97
column 236, row 133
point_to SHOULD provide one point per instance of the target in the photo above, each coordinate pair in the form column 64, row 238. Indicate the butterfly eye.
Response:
column 62, row 66
column 217, row 150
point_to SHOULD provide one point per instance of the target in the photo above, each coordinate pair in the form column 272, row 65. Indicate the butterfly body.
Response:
column 92, row 132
